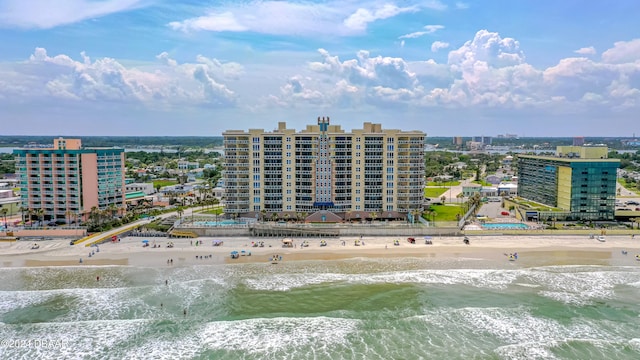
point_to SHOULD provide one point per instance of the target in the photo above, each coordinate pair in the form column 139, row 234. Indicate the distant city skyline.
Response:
column 198, row 68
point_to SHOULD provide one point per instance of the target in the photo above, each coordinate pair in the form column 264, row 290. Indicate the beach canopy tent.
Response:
column 287, row 241
column 217, row 242
column 145, row 241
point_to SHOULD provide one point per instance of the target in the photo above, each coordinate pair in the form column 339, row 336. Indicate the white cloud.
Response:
column 413, row 35
column 106, row 79
column 486, row 74
column 488, row 47
column 623, row 51
column 430, row 29
column 45, row 14
column 462, row 6
column 586, row 51
column 358, row 21
column 212, row 22
column 288, row 17
column 439, row 45
column 433, row 28
column 367, row 71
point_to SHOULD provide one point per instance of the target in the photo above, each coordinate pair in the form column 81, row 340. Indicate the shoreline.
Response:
column 533, row 250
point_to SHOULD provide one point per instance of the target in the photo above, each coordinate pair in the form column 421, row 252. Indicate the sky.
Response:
column 199, row 67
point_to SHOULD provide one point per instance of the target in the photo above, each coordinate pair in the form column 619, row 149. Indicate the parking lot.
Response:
column 493, row 210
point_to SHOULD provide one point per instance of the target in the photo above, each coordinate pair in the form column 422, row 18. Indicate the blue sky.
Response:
column 161, row 67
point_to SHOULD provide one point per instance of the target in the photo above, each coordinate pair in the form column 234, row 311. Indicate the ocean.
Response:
column 410, row 308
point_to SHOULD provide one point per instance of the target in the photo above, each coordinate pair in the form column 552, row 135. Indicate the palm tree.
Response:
column 22, row 211
column 274, row 216
column 68, row 214
column 263, row 214
column 475, row 200
column 30, row 214
column 40, row 214
column 180, row 211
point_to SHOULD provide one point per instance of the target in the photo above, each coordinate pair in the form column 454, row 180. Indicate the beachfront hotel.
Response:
column 65, row 181
column 580, row 182
column 323, row 167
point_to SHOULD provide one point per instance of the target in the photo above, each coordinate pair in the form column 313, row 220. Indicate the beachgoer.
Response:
column 97, row 278
column 160, row 304
column 166, row 282
column 184, row 312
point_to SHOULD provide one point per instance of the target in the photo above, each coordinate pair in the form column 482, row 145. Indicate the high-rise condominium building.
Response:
column 66, row 181
column 580, row 182
column 323, row 168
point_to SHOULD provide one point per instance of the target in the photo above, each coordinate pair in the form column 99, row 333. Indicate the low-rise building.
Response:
column 146, row 188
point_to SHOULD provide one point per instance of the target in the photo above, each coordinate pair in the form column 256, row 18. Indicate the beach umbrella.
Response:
column 145, row 241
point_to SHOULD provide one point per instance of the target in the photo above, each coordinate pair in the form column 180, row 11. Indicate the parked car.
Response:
column 505, row 213
column 638, row 209
column 631, row 202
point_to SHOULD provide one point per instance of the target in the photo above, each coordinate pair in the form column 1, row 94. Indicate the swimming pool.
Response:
column 505, row 226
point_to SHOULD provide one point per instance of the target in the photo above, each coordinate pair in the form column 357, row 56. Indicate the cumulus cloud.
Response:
column 106, row 79
column 488, row 47
column 43, row 14
column 461, row 6
column 623, row 52
column 586, row 51
column 366, row 70
column 439, row 45
column 487, row 72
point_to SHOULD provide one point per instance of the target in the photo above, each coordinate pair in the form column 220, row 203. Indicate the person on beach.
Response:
column 184, row 312
column 97, row 278
column 166, row 282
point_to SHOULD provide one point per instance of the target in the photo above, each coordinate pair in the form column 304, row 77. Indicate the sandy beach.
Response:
column 532, row 250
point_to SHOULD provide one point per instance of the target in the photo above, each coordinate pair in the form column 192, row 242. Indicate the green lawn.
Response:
column 443, row 183
column 434, row 192
column 444, row 212
column 215, row 211
column 482, row 182
column 629, row 186
column 163, row 183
